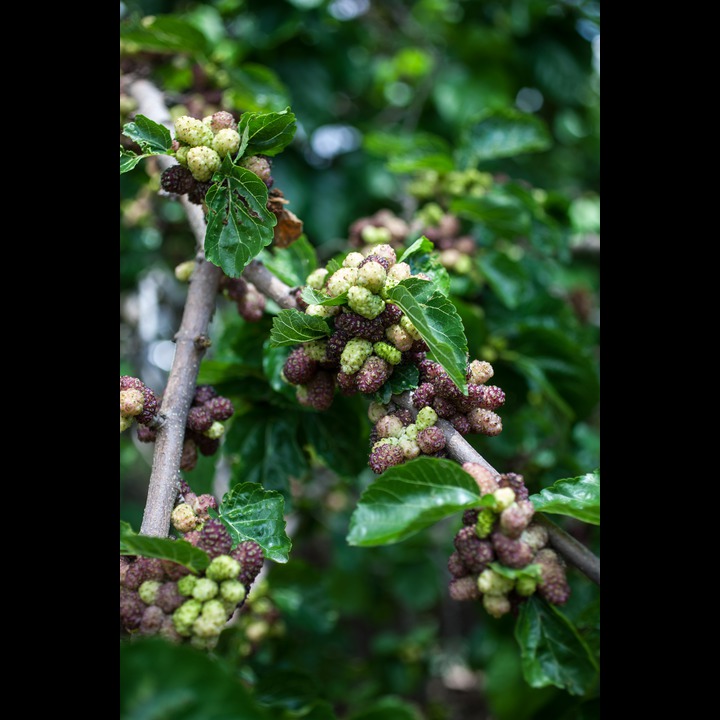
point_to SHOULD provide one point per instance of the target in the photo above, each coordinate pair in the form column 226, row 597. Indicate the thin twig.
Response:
column 269, row 285
column 191, row 341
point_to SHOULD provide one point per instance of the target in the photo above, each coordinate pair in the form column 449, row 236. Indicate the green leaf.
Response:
column 268, row 133
column 531, row 571
column 128, row 160
column 315, row 297
column 404, row 377
column 508, row 278
column 253, row 513
column 256, row 88
column 159, row 679
column 291, row 264
column 422, row 258
column 410, row 152
column 501, row 133
column 552, row 650
column 263, row 447
column 502, row 213
column 166, row 33
column 149, row 135
column 438, row 322
column 178, row 551
column 577, row 497
column 291, row 327
column 421, row 246
column 237, row 232
column 410, row 497
column 388, row 708
column 333, row 266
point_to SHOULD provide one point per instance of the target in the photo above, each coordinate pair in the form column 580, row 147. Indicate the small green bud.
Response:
column 215, row 431
column 205, row 589
column 353, row 259
column 525, row 585
column 223, row 567
column 205, row 627
column 316, row 279
column 505, row 497
column 426, row 418
column 485, row 522
column 184, row 271
column 148, row 591
column 387, row 352
column 232, row 591
column 186, row 584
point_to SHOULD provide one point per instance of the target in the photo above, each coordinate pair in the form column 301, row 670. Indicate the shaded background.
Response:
column 347, row 625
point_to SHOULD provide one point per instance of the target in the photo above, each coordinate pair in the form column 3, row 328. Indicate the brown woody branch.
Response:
column 191, row 340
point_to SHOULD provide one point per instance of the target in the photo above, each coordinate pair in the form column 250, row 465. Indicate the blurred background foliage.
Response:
column 389, row 97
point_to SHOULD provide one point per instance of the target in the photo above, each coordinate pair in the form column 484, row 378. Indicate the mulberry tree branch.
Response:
column 459, row 449
column 191, row 340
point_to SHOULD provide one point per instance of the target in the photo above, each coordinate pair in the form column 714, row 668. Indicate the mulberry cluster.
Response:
column 397, row 437
column 199, row 147
column 160, row 597
column 258, row 619
column 501, row 557
column 370, row 335
column 471, row 413
column 204, row 426
column 137, row 402
column 381, row 227
column 455, row 249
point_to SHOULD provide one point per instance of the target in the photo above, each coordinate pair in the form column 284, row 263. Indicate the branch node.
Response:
column 202, row 342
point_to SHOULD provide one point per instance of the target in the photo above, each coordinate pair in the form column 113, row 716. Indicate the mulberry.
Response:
column 464, row 589
column 214, row 538
column 177, row 179
column 384, row 457
column 431, row 440
column 251, row 558
column 373, row 374
column 512, row 553
column 299, row 369
column 553, row 585
column 220, row 408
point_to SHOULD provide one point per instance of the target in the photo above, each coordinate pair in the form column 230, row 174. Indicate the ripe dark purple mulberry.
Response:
column 150, row 408
column 431, row 440
column 474, row 552
column 406, row 417
column 346, row 383
column 356, row 325
column 423, row 395
column 168, row 599
column 335, row 345
column 207, row 446
column 204, row 394
column 251, row 557
column 390, row 315
column 489, row 397
column 214, row 538
column 470, row 517
column 319, row 392
column 251, row 306
column 199, row 419
column 132, row 609
column 512, row 553
column 299, row 369
column 220, row 408
column 456, row 566
column 174, row 570
column 443, row 407
column 146, row 434
column 384, row 457
column 177, row 179
column 376, row 258
column 141, row 570
column 373, row 374
column 419, row 346
column 460, row 423
column 189, row 457
column 197, row 194
column 152, row 620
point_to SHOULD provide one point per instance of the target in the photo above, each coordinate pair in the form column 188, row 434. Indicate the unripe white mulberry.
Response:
column 316, row 279
column 226, row 142
column 192, row 131
column 341, row 281
column 353, row 259
column 371, row 276
column 203, row 162
column 354, row 355
column 364, row 302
